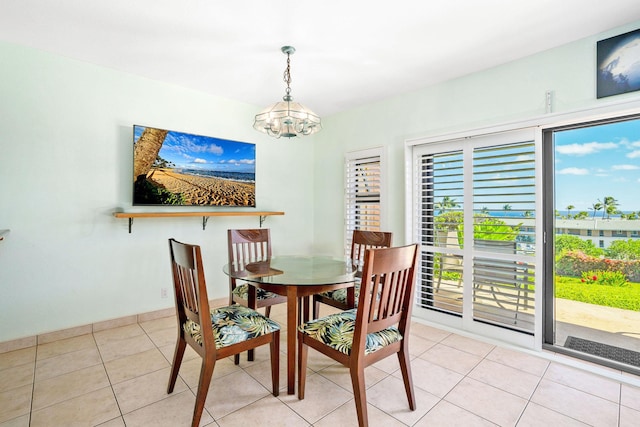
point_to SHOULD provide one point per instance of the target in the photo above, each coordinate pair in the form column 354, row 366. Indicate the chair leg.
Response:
column 305, row 309
column 267, row 311
column 316, row 308
column 208, row 363
column 303, row 350
column 359, row 394
column 181, row 345
column 405, row 368
column 250, row 355
column 275, row 363
column 236, row 359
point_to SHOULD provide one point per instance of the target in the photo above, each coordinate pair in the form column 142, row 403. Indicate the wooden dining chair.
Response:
column 244, row 247
column 213, row 334
column 378, row 328
column 347, row 298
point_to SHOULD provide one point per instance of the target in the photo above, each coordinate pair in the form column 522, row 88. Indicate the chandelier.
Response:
column 287, row 118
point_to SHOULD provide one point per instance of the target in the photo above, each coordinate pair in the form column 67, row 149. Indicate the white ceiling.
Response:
column 349, row 52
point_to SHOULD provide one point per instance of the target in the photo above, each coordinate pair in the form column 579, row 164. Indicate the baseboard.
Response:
column 20, row 343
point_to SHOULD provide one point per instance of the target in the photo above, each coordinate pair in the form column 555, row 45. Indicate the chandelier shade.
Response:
column 287, row 118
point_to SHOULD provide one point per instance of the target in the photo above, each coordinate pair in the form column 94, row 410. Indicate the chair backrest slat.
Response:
column 250, row 245
column 187, row 284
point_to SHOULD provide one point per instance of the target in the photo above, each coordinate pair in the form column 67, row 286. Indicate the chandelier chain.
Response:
column 287, row 74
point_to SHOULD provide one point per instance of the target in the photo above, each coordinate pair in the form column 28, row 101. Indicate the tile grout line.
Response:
column 532, row 393
column 33, row 383
column 104, row 367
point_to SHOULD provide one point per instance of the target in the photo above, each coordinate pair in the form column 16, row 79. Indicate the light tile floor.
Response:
column 118, row 377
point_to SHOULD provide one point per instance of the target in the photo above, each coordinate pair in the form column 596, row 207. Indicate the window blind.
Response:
column 362, row 195
column 441, row 213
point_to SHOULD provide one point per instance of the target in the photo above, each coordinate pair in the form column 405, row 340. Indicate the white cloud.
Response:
column 584, row 149
column 634, row 154
column 193, row 147
column 624, row 167
column 573, row 171
column 199, row 161
column 241, row 162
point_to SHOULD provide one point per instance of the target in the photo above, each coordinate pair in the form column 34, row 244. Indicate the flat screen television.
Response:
column 182, row 169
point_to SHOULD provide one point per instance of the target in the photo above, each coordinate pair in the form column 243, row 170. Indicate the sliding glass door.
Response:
column 592, row 212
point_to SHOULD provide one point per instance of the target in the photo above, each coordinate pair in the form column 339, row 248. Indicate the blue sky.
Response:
column 598, row 161
column 190, row 151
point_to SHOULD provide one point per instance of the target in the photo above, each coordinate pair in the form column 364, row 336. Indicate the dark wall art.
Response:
column 618, row 64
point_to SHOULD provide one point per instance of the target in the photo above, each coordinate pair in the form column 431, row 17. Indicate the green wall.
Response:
column 65, row 166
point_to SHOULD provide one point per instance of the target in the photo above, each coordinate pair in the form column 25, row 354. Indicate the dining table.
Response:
column 297, row 278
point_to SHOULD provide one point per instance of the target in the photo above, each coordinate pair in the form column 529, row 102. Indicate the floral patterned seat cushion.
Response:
column 336, row 331
column 242, row 291
column 340, row 295
column 233, row 324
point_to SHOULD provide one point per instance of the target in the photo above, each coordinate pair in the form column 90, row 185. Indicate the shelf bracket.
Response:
column 130, row 224
column 204, row 222
column 262, row 218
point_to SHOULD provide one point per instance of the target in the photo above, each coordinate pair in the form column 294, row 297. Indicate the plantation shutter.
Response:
column 441, row 199
column 363, row 184
column 504, row 233
column 474, row 204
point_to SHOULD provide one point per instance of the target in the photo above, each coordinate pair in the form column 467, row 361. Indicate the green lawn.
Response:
column 627, row 298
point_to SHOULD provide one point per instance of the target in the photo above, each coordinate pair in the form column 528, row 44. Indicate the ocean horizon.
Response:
column 563, row 213
column 249, row 177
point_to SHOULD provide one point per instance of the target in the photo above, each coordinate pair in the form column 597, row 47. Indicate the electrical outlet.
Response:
column 164, row 293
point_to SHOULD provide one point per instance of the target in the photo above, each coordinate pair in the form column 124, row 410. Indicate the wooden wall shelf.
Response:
column 205, row 215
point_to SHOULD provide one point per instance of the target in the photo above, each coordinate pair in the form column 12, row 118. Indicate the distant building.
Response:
column 600, row 231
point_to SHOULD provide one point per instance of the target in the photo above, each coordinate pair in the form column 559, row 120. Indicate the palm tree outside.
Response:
column 569, row 208
column 446, row 203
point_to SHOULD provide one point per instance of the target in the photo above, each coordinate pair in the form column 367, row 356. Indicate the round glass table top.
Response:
column 294, row 270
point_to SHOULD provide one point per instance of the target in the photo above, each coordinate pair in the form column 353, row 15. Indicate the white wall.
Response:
column 66, row 165
column 511, row 92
